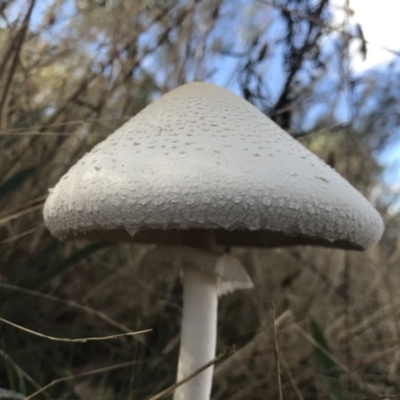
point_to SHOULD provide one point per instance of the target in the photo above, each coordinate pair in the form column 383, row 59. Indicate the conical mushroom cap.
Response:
column 202, row 158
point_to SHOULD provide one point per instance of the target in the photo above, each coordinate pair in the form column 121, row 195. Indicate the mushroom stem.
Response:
column 198, row 333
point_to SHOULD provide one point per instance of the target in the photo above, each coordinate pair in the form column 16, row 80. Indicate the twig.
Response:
column 36, row 130
column 22, row 206
column 19, row 236
column 328, row 26
column 276, row 352
column 291, row 377
column 68, row 378
column 229, row 351
column 20, row 213
column 69, row 303
column 79, row 340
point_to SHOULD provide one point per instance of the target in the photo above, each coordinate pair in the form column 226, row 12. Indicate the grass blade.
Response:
column 328, row 368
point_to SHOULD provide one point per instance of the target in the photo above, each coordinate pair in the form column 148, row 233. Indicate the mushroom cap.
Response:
column 202, row 158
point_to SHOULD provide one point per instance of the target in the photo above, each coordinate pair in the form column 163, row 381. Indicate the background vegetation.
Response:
column 71, row 72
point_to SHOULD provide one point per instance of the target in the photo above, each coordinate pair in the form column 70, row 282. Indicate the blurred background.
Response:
column 72, row 71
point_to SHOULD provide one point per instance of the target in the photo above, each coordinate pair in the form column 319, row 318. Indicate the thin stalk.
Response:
column 198, row 338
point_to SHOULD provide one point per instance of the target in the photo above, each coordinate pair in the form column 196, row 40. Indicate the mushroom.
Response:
column 197, row 169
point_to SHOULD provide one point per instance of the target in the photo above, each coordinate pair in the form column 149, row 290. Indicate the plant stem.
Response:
column 198, row 338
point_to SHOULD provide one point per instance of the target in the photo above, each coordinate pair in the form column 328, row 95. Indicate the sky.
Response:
column 380, row 24
column 381, row 28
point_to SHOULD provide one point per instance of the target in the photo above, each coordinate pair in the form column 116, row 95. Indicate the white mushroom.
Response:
column 201, row 167
column 207, row 272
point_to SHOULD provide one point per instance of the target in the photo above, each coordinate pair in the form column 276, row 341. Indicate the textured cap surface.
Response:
column 203, row 158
